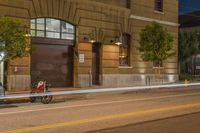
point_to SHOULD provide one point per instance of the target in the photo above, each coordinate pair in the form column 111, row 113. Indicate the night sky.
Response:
column 188, row 6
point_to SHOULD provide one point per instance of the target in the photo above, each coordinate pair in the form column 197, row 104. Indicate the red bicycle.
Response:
column 42, row 87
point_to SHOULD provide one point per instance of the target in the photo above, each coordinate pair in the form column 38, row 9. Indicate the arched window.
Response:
column 52, row 28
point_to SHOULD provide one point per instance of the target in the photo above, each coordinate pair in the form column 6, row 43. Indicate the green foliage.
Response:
column 155, row 43
column 189, row 44
column 13, row 42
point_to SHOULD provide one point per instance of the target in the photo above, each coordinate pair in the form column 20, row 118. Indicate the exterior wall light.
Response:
column 118, row 41
column 122, row 56
column 91, row 38
column 96, row 36
column 92, row 41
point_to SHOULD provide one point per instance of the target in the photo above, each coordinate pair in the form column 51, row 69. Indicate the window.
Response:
column 67, row 28
column 33, row 27
column 124, row 50
column 52, row 28
column 159, row 5
column 40, row 24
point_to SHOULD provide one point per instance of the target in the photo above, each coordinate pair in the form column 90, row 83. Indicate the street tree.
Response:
column 155, row 44
column 13, row 40
column 189, row 48
column 188, row 45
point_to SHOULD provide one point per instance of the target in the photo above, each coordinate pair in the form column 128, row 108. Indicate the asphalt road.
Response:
column 159, row 111
column 189, row 123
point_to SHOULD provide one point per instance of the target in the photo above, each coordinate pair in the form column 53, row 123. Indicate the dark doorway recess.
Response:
column 52, row 60
column 95, row 63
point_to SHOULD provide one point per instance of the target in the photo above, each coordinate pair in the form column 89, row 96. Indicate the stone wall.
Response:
column 125, row 80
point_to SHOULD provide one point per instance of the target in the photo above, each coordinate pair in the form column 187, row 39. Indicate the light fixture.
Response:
column 122, row 56
column 92, row 41
column 96, row 36
column 117, row 41
column 91, row 38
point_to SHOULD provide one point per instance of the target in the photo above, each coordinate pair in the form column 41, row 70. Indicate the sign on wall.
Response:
column 81, row 58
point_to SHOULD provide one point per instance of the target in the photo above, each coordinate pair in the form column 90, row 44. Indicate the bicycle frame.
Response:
column 41, row 87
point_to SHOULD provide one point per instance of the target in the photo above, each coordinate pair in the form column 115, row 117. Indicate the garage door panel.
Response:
column 52, row 63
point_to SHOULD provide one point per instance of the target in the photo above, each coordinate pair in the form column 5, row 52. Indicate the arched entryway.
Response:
column 52, row 56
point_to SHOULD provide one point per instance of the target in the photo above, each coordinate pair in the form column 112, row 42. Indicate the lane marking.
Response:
column 101, row 103
column 96, row 119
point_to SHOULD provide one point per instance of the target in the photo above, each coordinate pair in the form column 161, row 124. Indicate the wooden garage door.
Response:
column 53, row 63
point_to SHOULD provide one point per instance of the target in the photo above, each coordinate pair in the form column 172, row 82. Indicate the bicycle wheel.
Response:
column 46, row 99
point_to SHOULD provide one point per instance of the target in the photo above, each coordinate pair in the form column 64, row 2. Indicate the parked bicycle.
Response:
column 41, row 87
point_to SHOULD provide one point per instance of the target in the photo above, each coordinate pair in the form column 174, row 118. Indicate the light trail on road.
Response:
column 87, row 91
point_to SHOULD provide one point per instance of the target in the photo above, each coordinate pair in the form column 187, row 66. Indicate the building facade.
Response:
column 79, row 43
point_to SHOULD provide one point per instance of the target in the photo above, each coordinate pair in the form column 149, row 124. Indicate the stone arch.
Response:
column 109, row 19
column 59, row 9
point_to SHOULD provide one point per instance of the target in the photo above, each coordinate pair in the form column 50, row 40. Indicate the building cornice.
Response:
column 153, row 20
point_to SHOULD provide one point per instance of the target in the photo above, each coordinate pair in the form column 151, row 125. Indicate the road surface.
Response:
column 156, row 111
column 188, row 123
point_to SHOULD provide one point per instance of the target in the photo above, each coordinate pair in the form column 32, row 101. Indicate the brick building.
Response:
column 79, row 43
